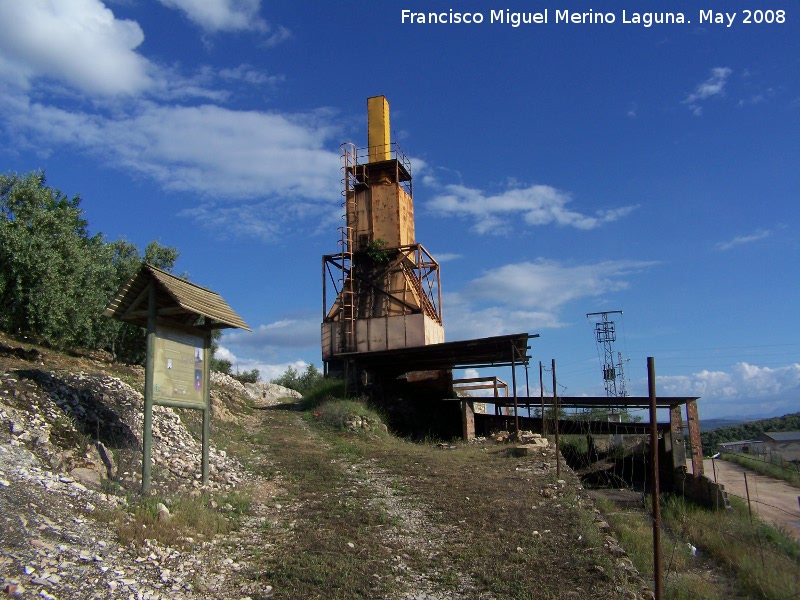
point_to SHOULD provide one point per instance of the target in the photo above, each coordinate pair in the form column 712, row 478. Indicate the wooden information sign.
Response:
column 179, row 317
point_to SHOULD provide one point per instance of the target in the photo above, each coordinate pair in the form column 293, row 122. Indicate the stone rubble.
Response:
column 70, row 442
column 67, row 442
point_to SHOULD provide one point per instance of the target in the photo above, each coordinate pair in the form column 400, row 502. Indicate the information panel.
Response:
column 179, row 377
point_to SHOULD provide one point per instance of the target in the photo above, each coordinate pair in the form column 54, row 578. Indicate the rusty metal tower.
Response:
column 387, row 287
column 613, row 372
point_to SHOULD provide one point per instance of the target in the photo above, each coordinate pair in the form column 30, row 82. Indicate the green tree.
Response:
column 163, row 257
column 301, row 382
column 221, row 365
column 248, row 376
column 54, row 277
column 289, row 379
column 127, row 342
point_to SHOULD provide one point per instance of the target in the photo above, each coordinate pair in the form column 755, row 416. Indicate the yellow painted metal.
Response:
column 378, row 137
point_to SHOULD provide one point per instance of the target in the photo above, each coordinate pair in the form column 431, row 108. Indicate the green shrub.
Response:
column 348, row 415
column 325, row 391
column 301, row 382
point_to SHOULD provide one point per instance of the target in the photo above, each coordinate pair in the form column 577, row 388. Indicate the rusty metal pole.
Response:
column 747, row 492
column 541, row 397
column 527, row 387
column 651, row 384
column 514, row 383
column 555, row 408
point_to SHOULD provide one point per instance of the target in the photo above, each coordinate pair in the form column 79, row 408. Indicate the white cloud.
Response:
column 746, row 390
column 209, row 150
column 206, row 149
column 266, row 370
column 447, row 257
column 537, row 204
column 249, row 75
column 744, row 239
column 271, row 348
column 547, row 284
column 529, row 296
column 301, row 332
column 463, row 321
column 713, row 86
column 260, row 220
column 221, row 15
column 78, row 42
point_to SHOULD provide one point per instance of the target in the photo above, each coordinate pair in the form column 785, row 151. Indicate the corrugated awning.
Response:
column 627, row 402
column 178, row 300
column 498, row 351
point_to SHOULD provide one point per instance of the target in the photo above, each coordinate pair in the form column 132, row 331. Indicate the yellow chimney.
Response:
column 378, row 129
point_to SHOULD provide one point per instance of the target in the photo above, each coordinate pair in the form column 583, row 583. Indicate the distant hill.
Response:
column 709, row 424
column 746, row 431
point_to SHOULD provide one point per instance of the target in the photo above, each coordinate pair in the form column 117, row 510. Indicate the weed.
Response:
column 329, row 389
column 784, row 470
column 190, row 515
column 348, row 415
column 764, row 561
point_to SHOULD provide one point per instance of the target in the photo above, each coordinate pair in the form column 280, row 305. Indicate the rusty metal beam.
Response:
column 605, row 401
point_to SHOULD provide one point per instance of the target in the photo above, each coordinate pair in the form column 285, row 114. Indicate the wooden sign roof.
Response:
column 177, row 300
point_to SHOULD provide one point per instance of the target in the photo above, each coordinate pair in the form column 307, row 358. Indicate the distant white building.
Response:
column 755, row 447
column 786, row 444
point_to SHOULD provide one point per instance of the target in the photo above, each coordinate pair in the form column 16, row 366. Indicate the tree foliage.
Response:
column 55, row 278
column 301, row 382
column 221, row 365
column 748, row 431
column 248, row 376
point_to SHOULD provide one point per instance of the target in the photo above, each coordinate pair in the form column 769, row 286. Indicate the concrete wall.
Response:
column 786, row 450
column 385, row 333
column 702, row 490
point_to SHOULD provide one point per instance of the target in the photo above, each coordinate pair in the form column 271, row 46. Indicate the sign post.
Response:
column 179, row 317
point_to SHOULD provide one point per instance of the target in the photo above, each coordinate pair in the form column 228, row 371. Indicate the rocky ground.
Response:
column 68, row 443
column 70, row 463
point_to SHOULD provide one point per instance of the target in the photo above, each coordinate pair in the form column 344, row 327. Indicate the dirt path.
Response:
column 773, row 500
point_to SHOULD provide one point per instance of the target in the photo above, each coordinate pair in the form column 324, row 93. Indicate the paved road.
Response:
column 773, row 500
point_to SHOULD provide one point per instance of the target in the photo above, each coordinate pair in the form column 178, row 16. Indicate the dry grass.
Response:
column 195, row 517
column 766, row 561
column 787, row 471
column 760, row 562
column 373, row 516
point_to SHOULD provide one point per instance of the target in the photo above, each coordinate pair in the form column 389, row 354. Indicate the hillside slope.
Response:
column 293, row 509
column 748, row 431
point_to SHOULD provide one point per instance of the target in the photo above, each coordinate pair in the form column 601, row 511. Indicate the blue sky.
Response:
column 559, row 168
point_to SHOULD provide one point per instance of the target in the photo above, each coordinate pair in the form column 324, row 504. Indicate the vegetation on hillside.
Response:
column 748, row 431
column 302, row 382
column 56, row 278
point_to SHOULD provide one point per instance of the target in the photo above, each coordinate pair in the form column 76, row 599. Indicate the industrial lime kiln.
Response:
column 387, row 287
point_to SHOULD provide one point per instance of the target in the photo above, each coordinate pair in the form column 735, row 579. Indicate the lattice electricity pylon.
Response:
column 613, row 373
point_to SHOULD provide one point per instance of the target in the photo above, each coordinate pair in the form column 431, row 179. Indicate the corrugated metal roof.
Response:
column 176, row 299
column 783, row 436
column 628, row 402
column 739, row 443
column 484, row 352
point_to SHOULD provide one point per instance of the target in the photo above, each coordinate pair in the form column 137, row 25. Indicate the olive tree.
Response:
column 55, row 278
